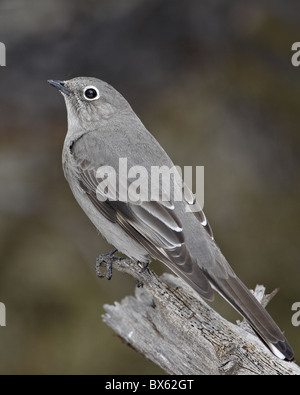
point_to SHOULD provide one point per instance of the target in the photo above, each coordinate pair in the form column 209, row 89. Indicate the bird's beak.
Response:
column 60, row 85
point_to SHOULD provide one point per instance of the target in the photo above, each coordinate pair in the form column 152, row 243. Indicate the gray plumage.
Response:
column 102, row 127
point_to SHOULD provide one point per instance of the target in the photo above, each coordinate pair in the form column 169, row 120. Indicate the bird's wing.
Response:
column 153, row 224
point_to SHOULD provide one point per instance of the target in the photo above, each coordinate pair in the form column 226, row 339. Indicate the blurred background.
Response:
column 214, row 83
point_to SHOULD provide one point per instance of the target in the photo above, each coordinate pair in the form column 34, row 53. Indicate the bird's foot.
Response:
column 107, row 259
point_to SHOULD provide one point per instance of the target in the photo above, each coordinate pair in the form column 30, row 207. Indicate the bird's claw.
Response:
column 107, row 258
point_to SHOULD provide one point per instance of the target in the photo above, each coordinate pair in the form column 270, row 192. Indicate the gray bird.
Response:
column 102, row 128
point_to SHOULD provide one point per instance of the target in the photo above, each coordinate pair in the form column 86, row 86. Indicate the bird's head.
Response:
column 90, row 100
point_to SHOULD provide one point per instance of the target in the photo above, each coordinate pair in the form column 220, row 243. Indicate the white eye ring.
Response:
column 91, row 93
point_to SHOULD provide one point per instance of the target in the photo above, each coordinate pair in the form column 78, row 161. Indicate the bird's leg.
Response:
column 107, row 258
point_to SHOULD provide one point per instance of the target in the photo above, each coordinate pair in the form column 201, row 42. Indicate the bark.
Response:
column 171, row 325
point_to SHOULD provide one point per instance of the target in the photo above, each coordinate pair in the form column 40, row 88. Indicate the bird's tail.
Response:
column 238, row 295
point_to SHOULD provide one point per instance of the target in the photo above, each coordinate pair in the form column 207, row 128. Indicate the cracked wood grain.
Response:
column 171, row 325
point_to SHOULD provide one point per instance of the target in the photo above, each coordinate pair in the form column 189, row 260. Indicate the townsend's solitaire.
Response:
column 102, row 128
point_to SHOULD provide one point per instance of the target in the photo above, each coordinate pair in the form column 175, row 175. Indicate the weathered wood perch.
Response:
column 171, row 325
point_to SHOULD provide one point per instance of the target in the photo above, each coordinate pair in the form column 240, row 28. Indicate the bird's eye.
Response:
column 91, row 93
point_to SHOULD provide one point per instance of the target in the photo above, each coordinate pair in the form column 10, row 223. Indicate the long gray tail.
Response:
column 238, row 295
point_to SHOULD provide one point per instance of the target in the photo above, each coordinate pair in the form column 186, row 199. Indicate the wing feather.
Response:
column 152, row 224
